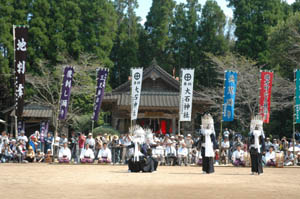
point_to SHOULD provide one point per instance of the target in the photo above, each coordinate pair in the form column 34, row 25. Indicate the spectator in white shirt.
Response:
column 87, row 155
column 289, row 159
column 22, row 136
column 171, row 154
column 91, row 141
column 226, row 133
column 159, row 154
column 104, row 154
column 271, row 157
column 64, row 155
column 238, row 157
column 182, row 154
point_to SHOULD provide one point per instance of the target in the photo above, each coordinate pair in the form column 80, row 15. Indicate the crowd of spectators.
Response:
column 167, row 149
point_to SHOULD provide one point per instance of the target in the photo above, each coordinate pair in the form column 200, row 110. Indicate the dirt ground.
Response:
column 22, row 181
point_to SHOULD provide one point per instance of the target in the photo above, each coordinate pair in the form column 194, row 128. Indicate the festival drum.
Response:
column 247, row 159
column 279, row 159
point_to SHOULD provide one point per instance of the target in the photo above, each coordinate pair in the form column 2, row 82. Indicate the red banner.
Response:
column 265, row 95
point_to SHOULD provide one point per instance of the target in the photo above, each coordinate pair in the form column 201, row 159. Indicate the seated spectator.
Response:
column 87, row 155
column 171, row 154
column 21, row 151
column 159, row 154
column 182, row 154
column 268, row 143
column 289, row 159
column 104, row 154
column 223, row 157
column 40, row 156
column 199, row 157
column 22, row 136
column 30, row 155
column 298, row 158
column 271, row 157
column 64, row 154
column 48, row 156
column 33, row 143
column 6, row 153
column 238, row 157
column 225, row 150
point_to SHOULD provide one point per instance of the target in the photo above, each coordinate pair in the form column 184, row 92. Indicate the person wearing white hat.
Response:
column 208, row 144
column 90, row 141
column 182, row 155
column 22, row 136
column 171, row 153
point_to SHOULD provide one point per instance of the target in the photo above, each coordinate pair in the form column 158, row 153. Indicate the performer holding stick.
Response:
column 208, row 144
column 257, row 145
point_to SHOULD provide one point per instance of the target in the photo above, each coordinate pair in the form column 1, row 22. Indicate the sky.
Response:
column 144, row 7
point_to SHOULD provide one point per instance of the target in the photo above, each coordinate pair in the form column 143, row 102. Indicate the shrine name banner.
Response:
column 297, row 96
column 20, row 46
column 66, row 92
column 186, row 94
column 136, row 88
column 101, row 83
column 229, row 95
column 266, row 80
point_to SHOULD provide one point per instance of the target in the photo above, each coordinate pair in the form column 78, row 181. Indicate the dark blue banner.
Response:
column 229, row 95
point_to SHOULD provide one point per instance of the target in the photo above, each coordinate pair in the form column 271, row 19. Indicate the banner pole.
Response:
column 179, row 111
column 294, row 118
column 131, row 100
column 221, row 122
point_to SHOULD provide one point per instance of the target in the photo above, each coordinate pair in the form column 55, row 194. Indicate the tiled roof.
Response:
column 34, row 110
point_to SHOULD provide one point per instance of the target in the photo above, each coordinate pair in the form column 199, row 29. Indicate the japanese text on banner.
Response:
column 265, row 95
column 20, row 38
column 186, row 94
column 66, row 92
column 101, row 83
column 136, row 88
column 229, row 95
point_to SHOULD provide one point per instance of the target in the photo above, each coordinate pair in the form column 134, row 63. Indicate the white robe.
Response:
column 64, row 152
column 209, row 150
column 238, row 155
column 104, row 153
column 271, row 156
column 87, row 153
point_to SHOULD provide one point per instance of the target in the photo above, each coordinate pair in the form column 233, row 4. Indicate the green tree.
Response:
column 284, row 44
column 125, row 50
column 157, row 26
column 253, row 20
column 212, row 26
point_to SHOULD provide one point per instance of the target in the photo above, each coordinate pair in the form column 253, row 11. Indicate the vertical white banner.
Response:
column 186, row 94
column 136, row 89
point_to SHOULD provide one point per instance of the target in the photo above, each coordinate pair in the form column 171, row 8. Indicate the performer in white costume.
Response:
column 257, row 144
column 208, row 143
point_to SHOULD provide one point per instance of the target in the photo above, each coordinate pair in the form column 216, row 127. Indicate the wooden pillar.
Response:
column 114, row 122
column 174, row 125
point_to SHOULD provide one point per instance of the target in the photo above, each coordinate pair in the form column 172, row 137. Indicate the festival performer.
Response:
column 139, row 161
column 87, row 155
column 208, row 144
column 257, row 144
column 104, row 154
column 64, row 154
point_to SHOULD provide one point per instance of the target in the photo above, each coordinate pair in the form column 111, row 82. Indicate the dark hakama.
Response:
column 136, row 166
column 207, row 162
column 256, row 161
column 150, row 164
column 256, row 157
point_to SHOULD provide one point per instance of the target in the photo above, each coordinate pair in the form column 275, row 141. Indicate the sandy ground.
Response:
column 41, row 181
